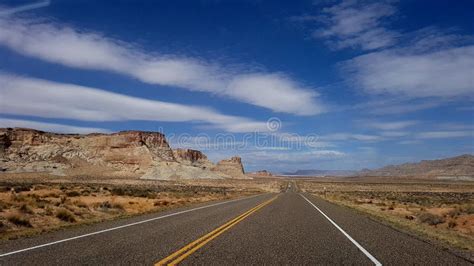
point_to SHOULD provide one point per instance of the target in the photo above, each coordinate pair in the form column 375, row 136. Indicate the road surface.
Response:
column 285, row 228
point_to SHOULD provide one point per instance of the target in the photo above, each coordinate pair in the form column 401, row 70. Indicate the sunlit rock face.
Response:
column 123, row 154
column 127, row 152
column 232, row 167
column 192, row 157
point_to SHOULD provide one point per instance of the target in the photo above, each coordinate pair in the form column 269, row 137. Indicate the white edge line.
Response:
column 123, row 226
column 366, row 253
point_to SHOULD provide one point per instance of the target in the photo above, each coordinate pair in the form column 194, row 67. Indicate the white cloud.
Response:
column 274, row 91
column 393, row 125
column 357, row 24
column 350, row 136
column 403, row 108
column 22, row 8
column 369, row 40
column 428, row 62
column 444, row 134
column 76, row 48
column 50, row 127
column 444, row 73
column 384, row 106
column 394, row 133
column 367, row 149
column 41, row 98
column 456, row 126
column 436, row 39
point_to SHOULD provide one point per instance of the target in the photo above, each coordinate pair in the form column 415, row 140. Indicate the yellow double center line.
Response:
column 190, row 248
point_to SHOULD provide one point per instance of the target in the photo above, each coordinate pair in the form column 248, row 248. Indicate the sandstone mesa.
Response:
column 138, row 154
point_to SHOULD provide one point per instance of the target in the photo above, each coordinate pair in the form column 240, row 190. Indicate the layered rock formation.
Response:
column 188, row 164
column 232, row 167
column 192, row 157
column 126, row 153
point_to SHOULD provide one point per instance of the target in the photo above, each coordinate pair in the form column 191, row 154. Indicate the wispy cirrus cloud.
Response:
column 41, row 98
column 390, row 125
column 72, row 47
column 351, row 137
column 402, row 108
column 394, row 134
column 381, row 106
column 22, row 8
column 357, row 24
column 414, row 74
column 49, row 127
column 444, row 134
column 455, row 126
column 428, row 62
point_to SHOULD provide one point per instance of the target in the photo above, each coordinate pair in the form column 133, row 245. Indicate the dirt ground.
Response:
column 441, row 211
column 31, row 204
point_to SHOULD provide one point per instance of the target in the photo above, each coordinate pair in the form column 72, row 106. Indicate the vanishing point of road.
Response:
column 270, row 229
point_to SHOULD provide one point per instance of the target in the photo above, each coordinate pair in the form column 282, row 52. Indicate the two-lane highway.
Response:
column 285, row 228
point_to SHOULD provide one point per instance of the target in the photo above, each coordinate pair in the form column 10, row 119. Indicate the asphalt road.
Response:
column 285, row 228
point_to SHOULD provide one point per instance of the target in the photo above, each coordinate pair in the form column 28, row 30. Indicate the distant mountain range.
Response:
column 462, row 165
column 455, row 167
column 321, row 173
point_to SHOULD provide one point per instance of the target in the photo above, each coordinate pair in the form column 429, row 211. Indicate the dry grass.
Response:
column 440, row 211
column 65, row 215
column 31, row 206
column 19, row 220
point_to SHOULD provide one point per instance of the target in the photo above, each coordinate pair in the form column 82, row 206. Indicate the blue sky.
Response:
column 292, row 84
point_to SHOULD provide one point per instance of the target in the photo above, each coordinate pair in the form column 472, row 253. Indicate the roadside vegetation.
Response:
column 28, row 208
column 438, row 211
